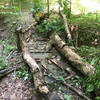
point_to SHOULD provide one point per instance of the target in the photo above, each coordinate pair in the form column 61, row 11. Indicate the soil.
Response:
column 12, row 87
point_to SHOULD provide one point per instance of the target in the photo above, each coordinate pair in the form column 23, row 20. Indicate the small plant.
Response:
column 2, row 63
column 92, row 83
column 67, row 97
column 6, row 49
column 24, row 73
column 91, row 54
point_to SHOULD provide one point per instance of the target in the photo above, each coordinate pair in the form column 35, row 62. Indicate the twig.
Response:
column 7, row 71
column 9, row 54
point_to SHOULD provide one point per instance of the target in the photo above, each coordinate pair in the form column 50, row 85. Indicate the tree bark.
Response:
column 73, row 58
column 37, row 75
column 35, row 70
column 66, row 26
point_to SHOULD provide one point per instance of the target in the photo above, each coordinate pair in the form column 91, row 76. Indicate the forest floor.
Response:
column 13, row 87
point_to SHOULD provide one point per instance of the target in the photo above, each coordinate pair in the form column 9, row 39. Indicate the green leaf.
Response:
column 93, row 62
column 90, row 88
column 61, row 78
column 77, row 0
column 97, row 98
column 67, row 69
column 77, row 76
column 67, row 97
column 25, row 78
column 84, row 60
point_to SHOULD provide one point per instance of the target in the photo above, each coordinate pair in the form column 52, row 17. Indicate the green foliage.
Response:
column 2, row 63
column 24, row 73
column 6, row 49
column 67, row 9
column 49, row 26
column 61, row 78
column 97, row 98
column 67, row 69
column 46, row 27
column 87, row 28
column 7, row 10
column 93, row 82
column 67, row 97
column 92, row 55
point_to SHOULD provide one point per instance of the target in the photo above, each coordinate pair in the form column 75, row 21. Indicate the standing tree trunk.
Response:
column 48, row 7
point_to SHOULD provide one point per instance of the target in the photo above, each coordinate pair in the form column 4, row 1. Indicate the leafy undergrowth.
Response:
column 24, row 73
column 6, row 49
column 88, row 41
column 49, row 26
column 87, row 29
column 91, row 54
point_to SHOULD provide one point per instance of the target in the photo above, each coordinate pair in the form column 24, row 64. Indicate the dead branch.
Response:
column 63, row 66
column 38, row 80
column 7, row 71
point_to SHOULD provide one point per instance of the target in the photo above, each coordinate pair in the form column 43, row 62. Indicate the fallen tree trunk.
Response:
column 35, row 70
column 38, row 80
column 72, row 57
column 66, row 26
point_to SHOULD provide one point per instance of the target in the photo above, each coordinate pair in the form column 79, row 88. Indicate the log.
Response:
column 73, row 58
column 35, row 70
column 66, row 26
column 37, row 76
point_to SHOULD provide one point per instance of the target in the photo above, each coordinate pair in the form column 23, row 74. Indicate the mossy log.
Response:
column 75, row 60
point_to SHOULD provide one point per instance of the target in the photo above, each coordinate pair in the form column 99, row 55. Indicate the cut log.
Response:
column 73, row 58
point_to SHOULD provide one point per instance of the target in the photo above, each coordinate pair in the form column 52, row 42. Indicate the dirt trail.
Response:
column 13, row 88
